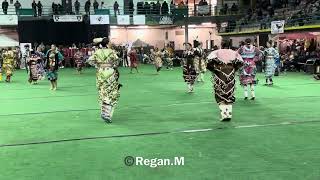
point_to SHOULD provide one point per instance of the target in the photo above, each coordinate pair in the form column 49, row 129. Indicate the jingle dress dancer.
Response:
column 25, row 56
column 189, row 72
column 157, row 59
column 32, row 63
column 271, row 54
column 54, row 58
column 250, row 54
column 223, row 64
column 168, row 55
column 41, row 64
column 200, row 62
column 133, row 60
column 79, row 61
column 8, row 65
column 106, row 61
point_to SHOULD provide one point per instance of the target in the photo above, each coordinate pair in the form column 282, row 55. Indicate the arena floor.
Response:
column 60, row 136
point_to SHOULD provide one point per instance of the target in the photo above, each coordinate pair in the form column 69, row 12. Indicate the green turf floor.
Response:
column 47, row 135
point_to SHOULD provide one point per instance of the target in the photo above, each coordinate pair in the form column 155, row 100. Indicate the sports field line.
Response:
column 159, row 133
column 55, row 96
column 141, row 106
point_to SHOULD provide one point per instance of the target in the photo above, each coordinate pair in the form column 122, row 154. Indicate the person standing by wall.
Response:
column 5, row 6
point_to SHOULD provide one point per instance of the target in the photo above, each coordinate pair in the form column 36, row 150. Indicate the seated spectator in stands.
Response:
column 77, row 6
column 34, row 8
column 5, row 6
column 234, row 8
column 95, row 5
column 39, row 5
column 116, row 8
column 17, row 6
column 164, row 8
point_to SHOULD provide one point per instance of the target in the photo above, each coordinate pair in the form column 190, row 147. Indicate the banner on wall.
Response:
column 224, row 24
column 277, row 27
column 123, row 20
column 7, row 20
column 99, row 19
column 166, row 20
column 67, row 18
column 203, row 10
column 139, row 19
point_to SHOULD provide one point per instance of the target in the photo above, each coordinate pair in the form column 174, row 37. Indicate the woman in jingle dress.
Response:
column 223, row 64
column 106, row 61
column 189, row 72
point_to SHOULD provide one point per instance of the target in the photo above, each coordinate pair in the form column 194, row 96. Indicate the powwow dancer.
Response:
column 79, row 61
column 8, row 65
column 106, row 61
column 133, row 60
column 25, row 56
column 250, row 54
column 54, row 58
column 270, row 59
column 157, row 59
column 199, row 62
column 189, row 72
column 32, row 63
column 168, row 55
column 41, row 63
column 223, row 64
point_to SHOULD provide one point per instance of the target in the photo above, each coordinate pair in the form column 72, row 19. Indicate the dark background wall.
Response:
column 48, row 31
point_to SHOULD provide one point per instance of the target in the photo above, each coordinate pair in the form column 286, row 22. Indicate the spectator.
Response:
column 34, row 8
column 17, row 6
column 147, row 7
column 95, row 5
column 203, row 3
column 102, row 5
column 60, row 9
column 158, row 7
column 54, row 8
column 172, row 7
column 116, row 8
column 234, row 8
column 77, row 6
column 140, row 9
column 181, row 4
column 68, row 8
column 164, row 8
column 39, row 5
column 5, row 6
column 226, row 8
column 62, row 6
column 87, row 7
column 131, row 7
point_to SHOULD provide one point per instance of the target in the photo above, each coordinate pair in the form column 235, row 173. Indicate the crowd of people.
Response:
column 297, row 12
column 44, row 61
